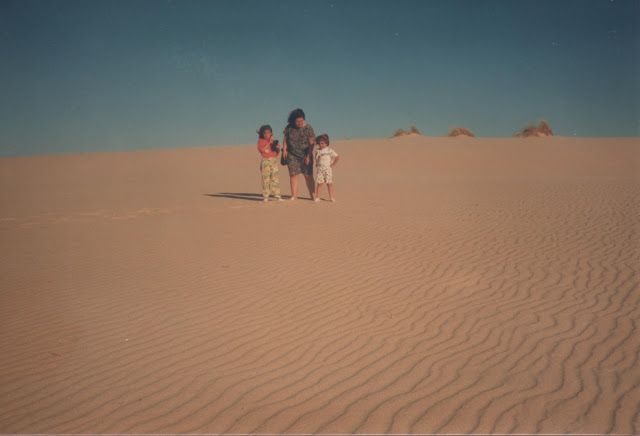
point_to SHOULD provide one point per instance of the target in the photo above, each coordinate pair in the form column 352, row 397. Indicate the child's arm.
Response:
column 264, row 147
column 259, row 151
column 335, row 161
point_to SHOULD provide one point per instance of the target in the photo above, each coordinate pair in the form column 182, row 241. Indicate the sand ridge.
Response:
column 458, row 285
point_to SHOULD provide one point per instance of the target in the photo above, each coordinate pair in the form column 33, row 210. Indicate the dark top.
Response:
column 298, row 139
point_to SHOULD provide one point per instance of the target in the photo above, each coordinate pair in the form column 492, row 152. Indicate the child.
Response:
column 269, row 149
column 325, row 158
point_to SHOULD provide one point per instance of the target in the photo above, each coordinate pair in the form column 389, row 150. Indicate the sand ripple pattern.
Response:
column 493, row 306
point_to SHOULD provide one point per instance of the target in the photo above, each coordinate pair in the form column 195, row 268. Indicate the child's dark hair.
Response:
column 294, row 115
column 323, row 138
column 264, row 129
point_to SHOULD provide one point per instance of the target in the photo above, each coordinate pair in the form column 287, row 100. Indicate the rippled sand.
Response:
column 457, row 285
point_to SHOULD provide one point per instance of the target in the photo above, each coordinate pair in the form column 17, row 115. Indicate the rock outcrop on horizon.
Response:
column 541, row 130
column 461, row 131
column 413, row 130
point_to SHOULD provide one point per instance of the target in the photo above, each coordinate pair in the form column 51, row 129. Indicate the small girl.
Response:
column 269, row 149
column 325, row 158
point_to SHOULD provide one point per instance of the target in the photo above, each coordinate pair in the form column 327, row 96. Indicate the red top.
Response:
column 264, row 147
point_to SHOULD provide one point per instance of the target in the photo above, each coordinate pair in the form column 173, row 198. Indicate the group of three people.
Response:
column 300, row 155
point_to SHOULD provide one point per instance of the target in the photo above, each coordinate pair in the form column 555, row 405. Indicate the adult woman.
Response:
column 298, row 142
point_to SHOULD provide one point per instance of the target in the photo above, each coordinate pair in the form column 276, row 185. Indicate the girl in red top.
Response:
column 269, row 149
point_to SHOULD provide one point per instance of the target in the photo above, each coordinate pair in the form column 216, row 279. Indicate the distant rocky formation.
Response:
column 413, row 130
column 541, row 130
column 461, row 131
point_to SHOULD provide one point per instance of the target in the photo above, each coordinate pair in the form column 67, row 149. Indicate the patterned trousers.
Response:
column 270, row 180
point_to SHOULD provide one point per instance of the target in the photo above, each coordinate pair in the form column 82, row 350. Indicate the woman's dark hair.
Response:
column 264, row 129
column 294, row 115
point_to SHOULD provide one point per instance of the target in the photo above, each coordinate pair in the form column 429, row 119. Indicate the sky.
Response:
column 81, row 76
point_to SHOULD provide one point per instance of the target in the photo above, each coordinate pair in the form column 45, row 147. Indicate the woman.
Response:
column 299, row 139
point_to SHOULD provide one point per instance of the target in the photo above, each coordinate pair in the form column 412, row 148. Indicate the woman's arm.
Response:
column 284, row 143
column 312, row 142
column 308, row 159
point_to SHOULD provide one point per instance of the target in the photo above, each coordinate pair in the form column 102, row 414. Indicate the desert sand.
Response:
column 458, row 285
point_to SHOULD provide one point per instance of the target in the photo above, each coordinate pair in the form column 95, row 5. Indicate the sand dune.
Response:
column 459, row 285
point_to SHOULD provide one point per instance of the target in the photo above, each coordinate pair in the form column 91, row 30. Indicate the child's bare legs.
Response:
column 330, row 189
column 317, row 196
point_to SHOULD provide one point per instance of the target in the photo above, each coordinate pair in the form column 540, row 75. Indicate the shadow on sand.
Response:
column 247, row 196
column 238, row 196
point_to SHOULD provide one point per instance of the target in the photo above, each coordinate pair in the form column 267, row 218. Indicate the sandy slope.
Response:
column 458, row 285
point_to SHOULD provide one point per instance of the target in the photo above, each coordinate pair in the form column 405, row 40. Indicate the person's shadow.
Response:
column 245, row 196
column 238, row 196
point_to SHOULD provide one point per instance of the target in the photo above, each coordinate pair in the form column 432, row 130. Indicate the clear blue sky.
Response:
column 118, row 75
